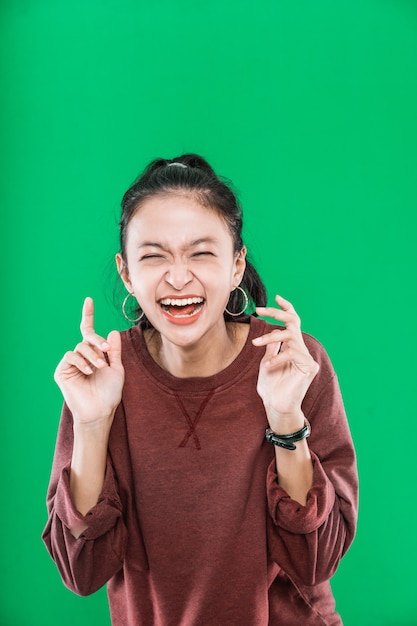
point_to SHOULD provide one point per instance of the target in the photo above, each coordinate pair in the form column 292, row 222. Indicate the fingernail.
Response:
column 105, row 346
column 88, row 370
column 100, row 362
column 257, row 340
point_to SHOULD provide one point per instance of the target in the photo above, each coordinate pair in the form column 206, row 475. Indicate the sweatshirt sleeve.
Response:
column 309, row 541
column 87, row 562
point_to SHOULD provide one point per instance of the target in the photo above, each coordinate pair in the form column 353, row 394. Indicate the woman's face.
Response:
column 181, row 266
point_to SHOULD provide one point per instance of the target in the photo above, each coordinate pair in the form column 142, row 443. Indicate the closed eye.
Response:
column 203, row 253
column 151, row 256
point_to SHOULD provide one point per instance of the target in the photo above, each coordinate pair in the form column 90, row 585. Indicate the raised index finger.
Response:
column 87, row 326
column 87, row 317
column 288, row 308
column 285, row 314
column 284, row 304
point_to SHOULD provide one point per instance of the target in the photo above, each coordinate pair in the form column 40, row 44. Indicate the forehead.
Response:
column 176, row 218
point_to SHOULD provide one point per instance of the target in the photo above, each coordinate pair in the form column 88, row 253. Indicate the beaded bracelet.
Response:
column 287, row 441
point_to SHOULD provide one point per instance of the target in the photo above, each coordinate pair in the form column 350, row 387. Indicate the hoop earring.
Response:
column 129, row 319
column 245, row 303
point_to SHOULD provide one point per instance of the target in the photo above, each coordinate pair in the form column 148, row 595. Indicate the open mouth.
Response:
column 181, row 308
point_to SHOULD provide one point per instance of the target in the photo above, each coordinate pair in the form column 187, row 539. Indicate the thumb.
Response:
column 115, row 352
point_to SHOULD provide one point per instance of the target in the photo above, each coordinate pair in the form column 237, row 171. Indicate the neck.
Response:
column 210, row 355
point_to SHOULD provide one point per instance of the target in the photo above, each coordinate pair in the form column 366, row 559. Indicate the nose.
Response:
column 178, row 275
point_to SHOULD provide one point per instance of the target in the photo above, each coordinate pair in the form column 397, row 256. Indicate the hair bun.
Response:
column 196, row 161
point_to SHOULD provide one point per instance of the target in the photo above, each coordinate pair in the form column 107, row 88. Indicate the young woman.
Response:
column 204, row 467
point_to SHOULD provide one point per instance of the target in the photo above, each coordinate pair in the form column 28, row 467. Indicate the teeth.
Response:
column 181, row 302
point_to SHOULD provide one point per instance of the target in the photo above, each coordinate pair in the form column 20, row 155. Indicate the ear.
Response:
column 123, row 272
column 239, row 267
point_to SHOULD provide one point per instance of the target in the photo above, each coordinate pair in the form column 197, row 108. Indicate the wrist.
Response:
column 285, row 423
column 92, row 433
column 288, row 441
column 85, row 423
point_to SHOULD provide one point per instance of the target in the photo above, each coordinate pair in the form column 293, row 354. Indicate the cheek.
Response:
column 216, row 278
column 219, row 274
column 145, row 282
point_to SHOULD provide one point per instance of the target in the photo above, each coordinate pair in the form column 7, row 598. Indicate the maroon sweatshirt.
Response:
column 191, row 528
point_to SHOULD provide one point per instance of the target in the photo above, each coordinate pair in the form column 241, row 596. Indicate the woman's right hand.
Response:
column 91, row 384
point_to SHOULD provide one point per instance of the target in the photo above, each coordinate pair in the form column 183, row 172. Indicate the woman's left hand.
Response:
column 286, row 370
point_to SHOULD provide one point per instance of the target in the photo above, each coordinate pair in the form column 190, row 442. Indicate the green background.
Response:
column 311, row 109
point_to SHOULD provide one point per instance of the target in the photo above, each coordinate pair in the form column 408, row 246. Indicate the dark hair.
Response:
column 191, row 173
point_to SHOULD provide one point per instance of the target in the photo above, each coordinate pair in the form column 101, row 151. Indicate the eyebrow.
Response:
column 196, row 242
